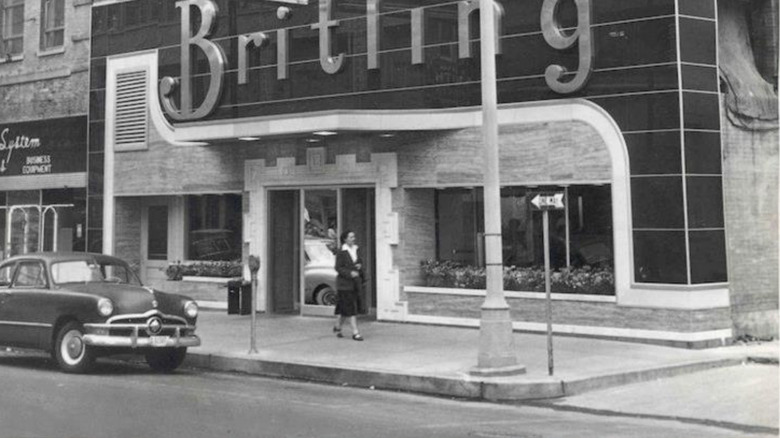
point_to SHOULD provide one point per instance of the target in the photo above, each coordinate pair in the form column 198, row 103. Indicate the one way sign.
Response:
column 548, row 201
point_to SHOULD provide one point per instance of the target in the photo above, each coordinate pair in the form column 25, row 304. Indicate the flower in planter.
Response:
column 581, row 280
column 222, row 269
column 174, row 271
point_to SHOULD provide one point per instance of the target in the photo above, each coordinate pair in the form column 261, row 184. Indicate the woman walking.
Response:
column 349, row 283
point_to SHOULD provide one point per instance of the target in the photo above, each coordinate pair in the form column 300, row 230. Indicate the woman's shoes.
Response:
column 338, row 333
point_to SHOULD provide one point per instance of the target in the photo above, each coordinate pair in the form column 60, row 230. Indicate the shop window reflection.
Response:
column 581, row 238
column 214, row 228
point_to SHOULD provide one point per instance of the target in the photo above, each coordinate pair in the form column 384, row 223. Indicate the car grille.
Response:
column 136, row 325
column 143, row 333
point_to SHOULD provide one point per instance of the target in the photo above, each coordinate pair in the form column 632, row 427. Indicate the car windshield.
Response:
column 318, row 253
column 87, row 271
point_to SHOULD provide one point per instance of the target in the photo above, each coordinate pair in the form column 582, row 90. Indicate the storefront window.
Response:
column 460, row 225
column 41, row 220
column 157, row 242
column 581, row 238
column 214, row 230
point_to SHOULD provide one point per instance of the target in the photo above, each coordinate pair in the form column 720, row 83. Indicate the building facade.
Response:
column 231, row 128
column 44, row 75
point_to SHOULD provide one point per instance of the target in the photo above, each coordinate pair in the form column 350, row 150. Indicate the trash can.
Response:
column 246, row 298
column 234, row 296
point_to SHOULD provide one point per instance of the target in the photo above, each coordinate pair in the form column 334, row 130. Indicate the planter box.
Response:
column 510, row 294
column 202, row 289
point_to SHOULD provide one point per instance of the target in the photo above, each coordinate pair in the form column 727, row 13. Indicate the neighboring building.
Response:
column 749, row 60
column 44, row 83
column 279, row 124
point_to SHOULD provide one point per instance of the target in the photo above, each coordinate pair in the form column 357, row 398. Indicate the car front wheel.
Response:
column 166, row 360
column 326, row 296
column 70, row 351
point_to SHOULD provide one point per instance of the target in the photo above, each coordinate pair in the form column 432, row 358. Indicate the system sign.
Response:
column 43, row 147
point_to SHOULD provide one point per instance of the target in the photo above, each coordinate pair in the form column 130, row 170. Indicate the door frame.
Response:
column 381, row 172
column 321, row 310
column 175, row 240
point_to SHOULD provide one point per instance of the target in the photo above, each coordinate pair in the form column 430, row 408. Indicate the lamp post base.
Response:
column 514, row 370
column 496, row 345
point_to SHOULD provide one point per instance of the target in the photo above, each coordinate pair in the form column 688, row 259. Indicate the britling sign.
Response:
column 32, row 164
column 332, row 63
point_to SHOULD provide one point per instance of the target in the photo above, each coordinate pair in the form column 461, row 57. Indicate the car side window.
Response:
column 6, row 273
column 30, row 274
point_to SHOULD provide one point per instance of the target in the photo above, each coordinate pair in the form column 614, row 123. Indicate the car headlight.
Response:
column 191, row 309
column 105, row 307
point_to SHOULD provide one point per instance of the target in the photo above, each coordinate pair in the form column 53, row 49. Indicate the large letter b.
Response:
column 214, row 54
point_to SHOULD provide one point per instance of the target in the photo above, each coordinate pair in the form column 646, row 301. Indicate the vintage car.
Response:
column 80, row 306
column 319, row 273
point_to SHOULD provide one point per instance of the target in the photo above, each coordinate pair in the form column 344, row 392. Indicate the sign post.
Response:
column 254, row 266
column 546, row 202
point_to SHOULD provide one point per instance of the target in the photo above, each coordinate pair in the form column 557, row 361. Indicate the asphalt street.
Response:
column 125, row 400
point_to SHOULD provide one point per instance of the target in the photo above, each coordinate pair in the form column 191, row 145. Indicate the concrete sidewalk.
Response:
column 436, row 360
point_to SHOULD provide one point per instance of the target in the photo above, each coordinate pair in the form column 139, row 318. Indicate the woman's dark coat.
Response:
column 344, row 267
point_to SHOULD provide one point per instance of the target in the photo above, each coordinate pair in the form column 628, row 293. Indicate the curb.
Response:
column 432, row 385
column 465, row 386
column 764, row 360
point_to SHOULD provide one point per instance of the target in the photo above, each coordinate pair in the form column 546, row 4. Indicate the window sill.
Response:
column 198, row 279
column 14, row 58
column 511, row 294
column 50, row 52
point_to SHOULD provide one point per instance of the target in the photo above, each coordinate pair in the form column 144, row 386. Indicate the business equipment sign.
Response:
column 43, row 147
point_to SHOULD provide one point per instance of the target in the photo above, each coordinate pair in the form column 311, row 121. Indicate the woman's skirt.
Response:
column 348, row 302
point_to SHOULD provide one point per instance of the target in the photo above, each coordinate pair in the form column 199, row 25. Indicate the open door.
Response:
column 283, row 241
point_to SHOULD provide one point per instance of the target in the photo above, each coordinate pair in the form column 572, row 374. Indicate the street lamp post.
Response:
column 496, row 347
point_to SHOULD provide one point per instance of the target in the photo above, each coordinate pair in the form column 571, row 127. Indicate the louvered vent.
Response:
column 131, row 111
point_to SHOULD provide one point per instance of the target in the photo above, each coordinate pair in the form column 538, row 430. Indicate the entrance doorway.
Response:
column 156, row 239
column 304, row 229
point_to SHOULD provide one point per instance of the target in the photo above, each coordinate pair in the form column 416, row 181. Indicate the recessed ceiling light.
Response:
column 248, row 138
column 324, row 133
column 312, row 140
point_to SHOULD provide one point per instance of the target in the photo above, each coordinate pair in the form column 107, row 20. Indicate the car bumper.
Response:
column 95, row 337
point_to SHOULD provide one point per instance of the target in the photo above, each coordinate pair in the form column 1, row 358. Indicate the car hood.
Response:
column 320, row 265
column 135, row 299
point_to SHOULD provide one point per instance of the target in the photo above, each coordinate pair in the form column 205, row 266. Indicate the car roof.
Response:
column 50, row 256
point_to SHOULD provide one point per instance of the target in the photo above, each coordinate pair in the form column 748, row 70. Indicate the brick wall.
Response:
column 576, row 313
column 416, row 211
column 48, row 85
column 128, row 230
column 166, row 168
column 750, row 184
column 537, row 153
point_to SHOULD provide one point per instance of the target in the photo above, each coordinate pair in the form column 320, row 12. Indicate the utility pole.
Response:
column 496, row 347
